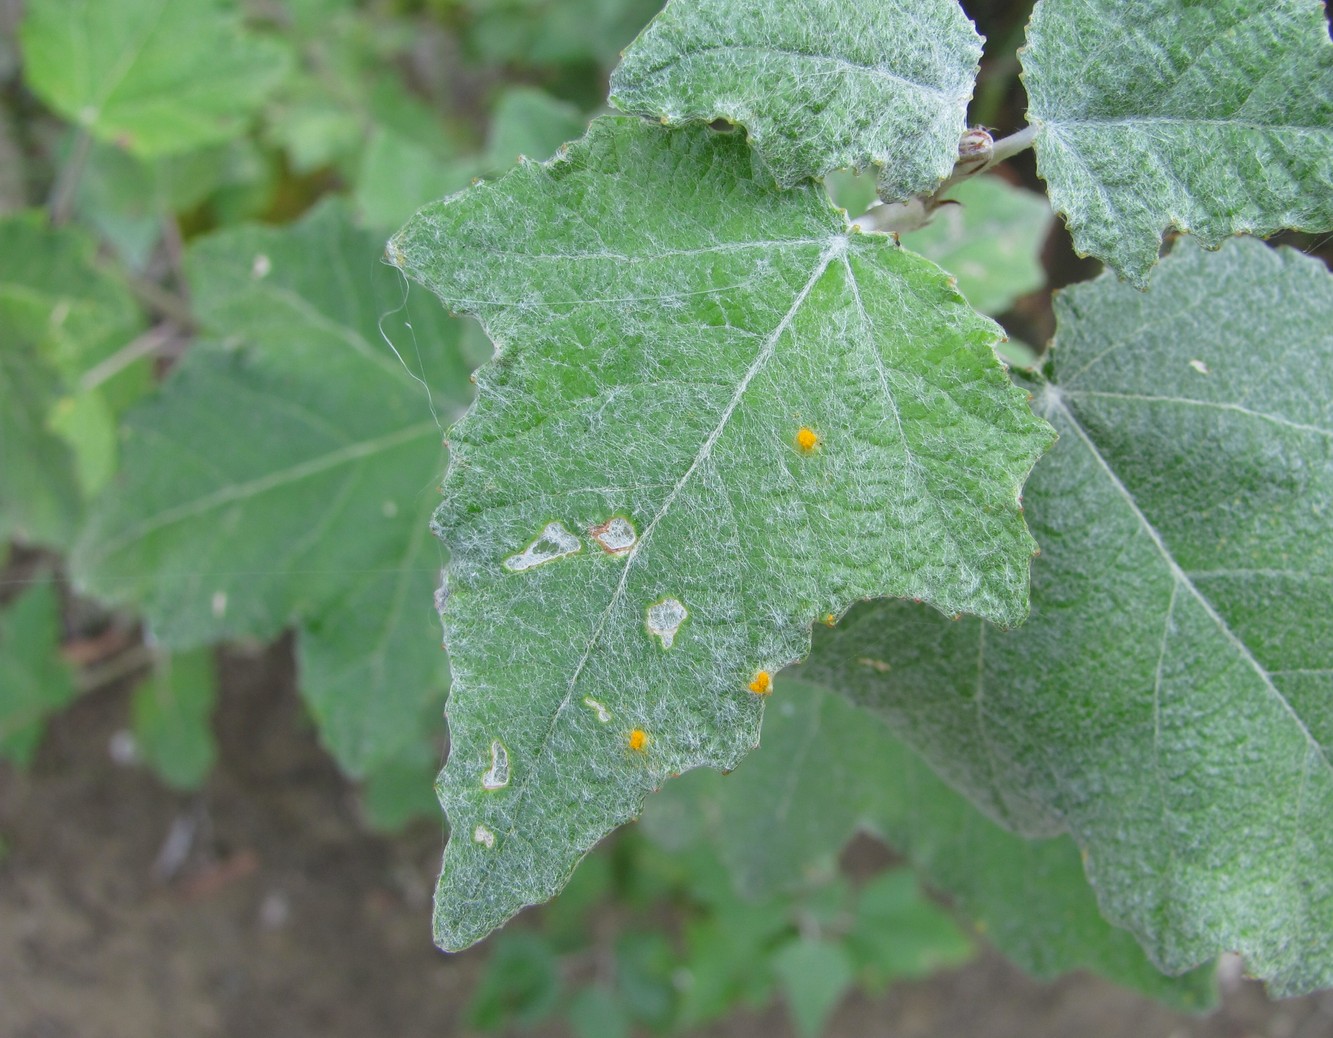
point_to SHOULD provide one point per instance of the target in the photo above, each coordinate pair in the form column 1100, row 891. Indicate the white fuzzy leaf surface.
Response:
column 820, row 85
column 1213, row 118
column 635, row 529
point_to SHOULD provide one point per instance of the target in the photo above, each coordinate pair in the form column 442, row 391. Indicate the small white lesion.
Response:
column 498, row 776
column 876, row 665
column 261, row 267
column 1200, row 367
column 389, row 509
column 554, row 542
column 219, row 604
column 395, row 255
column 664, row 619
column 603, row 714
column 616, row 536
column 483, row 836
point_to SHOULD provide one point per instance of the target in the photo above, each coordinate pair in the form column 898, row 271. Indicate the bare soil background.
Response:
column 263, row 906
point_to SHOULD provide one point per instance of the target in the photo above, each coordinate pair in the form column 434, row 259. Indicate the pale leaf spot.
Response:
column 603, row 714
column 1200, row 367
column 616, row 536
column 498, row 776
column 261, row 267
column 219, row 604
column 665, row 618
column 874, row 664
column 554, row 542
column 483, row 836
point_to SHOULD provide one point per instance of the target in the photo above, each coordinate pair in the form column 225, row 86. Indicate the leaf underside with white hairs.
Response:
column 636, row 526
column 1213, row 118
column 1170, row 701
column 818, row 86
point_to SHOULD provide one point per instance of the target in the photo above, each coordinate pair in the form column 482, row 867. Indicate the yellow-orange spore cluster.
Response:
column 762, row 684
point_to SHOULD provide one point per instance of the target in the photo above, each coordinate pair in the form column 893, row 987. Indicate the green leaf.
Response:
column 827, row 768
column 173, row 713
column 282, row 476
column 520, row 984
column 62, row 320
column 900, row 935
column 645, row 963
column 814, row 974
column 595, row 1013
column 818, row 87
column 34, row 681
column 539, row 32
column 727, row 962
column 399, row 175
column 85, row 422
column 530, row 122
column 156, row 76
column 398, row 791
column 315, row 131
column 370, row 694
column 990, row 241
column 635, row 532
column 1168, row 701
column 40, row 498
column 54, row 296
column 1212, row 118
column 782, row 816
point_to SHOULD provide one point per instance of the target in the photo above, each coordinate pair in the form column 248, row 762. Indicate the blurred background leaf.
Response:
column 160, row 77
column 34, row 681
column 172, row 712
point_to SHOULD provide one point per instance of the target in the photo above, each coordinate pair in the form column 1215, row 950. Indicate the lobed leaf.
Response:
column 1168, row 702
column 818, row 86
column 713, row 417
column 264, row 485
column 1212, row 118
column 157, row 76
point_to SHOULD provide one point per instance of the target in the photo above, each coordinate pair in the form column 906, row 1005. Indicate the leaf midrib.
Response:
column 267, row 482
column 1053, row 399
column 522, row 784
column 1214, row 405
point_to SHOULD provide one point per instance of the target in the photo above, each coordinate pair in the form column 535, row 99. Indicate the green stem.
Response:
column 1008, row 147
column 914, row 213
column 164, row 302
column 151, row 342
column 61, row 205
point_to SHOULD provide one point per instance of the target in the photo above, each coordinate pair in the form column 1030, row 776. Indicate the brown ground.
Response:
column 285, row 917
